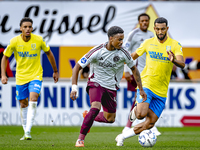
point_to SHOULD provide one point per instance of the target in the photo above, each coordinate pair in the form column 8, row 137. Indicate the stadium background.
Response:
column 71, row 33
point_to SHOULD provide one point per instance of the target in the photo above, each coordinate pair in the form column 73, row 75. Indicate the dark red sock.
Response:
column 88, row 121
column 132, row 106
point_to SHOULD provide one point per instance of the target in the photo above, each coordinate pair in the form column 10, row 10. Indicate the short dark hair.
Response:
column 26, row 19
column 114, row 30
column 143, row 14
column 161, row 20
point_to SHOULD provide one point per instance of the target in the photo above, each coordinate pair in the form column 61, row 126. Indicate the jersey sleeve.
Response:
column 128, row 44
column 128, row 59
column 142, row 49
column 127, row 69
column 45, row 47
column 10, row 48
column 88, row 58
column 178, row 49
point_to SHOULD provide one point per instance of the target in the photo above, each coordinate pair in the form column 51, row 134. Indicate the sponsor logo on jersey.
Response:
column 33, row 46
column 45, row 42
column 20, row 47
column 96, row 84
column 141, row 40
column 101, row 58
column 157, row 56
column 114, row 98
column 106, row 64
column 36, row 89
column 26, row 54
column 116, row 58
column 83, row 60
column 127, row 45
column 153, row 44
column 37, row 85
column 168, row 48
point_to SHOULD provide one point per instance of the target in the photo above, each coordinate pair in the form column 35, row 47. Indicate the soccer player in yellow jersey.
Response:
column 29, row 72
column 161, row 53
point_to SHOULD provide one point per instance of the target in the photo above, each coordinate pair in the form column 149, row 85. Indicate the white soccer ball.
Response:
column 147, row 138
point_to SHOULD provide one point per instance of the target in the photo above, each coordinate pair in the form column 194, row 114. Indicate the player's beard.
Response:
column 144, row 29
column 161, row 38
column 28, row 36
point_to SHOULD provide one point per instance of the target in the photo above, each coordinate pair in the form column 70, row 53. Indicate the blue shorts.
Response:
column 156, row 103
column 22, row 91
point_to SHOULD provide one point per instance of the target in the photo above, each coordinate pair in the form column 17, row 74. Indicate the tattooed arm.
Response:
column 137, row 77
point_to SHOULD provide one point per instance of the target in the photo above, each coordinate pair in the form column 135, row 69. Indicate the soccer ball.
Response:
column 147, row 138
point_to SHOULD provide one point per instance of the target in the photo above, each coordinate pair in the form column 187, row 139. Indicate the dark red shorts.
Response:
column 131, row 86
column 105, row 96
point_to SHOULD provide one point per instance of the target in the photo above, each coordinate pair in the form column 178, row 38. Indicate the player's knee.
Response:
column 140, row 116
column 23, row 103
column 33, row 99
column 110, row 117
column 111, row 120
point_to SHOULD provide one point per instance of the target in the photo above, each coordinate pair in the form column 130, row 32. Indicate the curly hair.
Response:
column 26, row 19
column 114, row 30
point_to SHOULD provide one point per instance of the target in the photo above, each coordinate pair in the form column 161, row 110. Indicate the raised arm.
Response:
column 137, row 77
column 177, row 60
column 53, row 64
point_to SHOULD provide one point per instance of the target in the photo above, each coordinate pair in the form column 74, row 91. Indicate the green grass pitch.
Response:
column 99, row 138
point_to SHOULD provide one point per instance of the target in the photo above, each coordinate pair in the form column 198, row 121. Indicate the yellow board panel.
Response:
column 67, row 54
column 191, row 52
column 194, row 53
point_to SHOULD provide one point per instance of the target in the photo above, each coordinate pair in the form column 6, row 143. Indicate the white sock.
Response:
column 128, row 133
column 31, row 115
column 23, row 114
column 154, row 128
column 125, row 129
